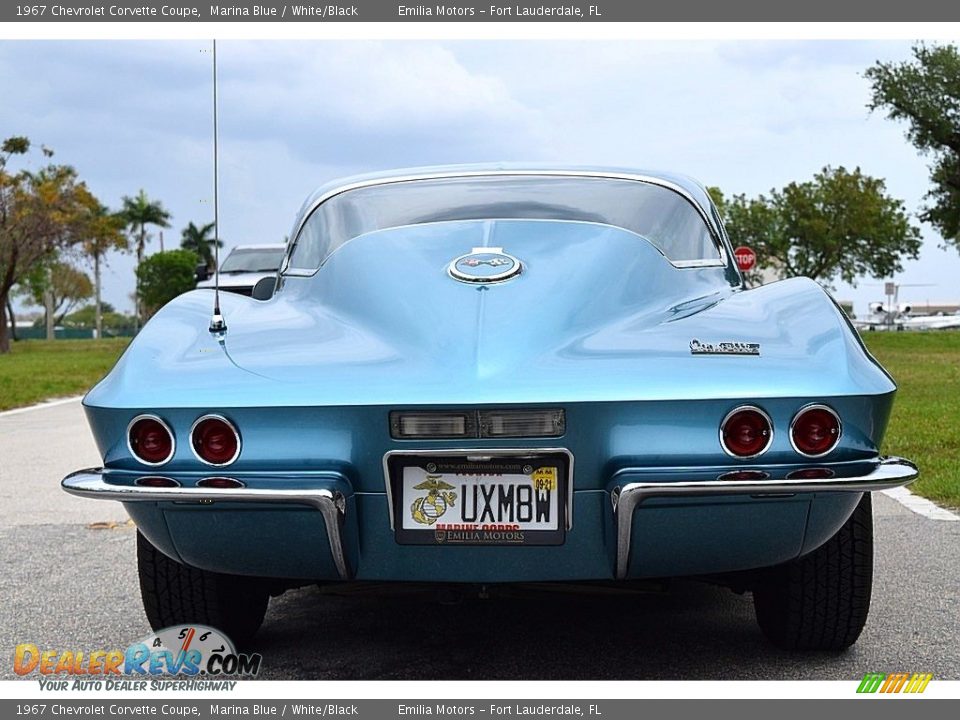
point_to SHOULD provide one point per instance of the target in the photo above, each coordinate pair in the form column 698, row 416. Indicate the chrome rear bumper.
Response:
column 628, row 490
column 331, row 503
column 626, row 496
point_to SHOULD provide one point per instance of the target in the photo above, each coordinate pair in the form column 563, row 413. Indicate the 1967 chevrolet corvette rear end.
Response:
column 501, row 374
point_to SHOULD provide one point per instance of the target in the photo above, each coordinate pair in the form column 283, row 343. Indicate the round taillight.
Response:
column 215, row 440
column 815, row 431
column 150, row 440
column 746, row 432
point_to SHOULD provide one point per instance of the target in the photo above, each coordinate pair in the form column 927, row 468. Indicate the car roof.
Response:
column 686, row 185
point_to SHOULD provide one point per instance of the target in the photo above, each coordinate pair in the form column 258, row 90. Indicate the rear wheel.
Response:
column 176, row 594
column 821, row 600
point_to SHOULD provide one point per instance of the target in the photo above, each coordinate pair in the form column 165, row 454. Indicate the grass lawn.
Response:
column 37, row 370
column 925, row 425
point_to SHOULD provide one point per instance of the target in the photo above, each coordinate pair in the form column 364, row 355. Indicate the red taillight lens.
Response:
column 150, row 440
column 746, row 432
column 155, row 481
column 215, row 440
column 811, row 474
column 815, row 431
column 221, row 483
column 745, row 475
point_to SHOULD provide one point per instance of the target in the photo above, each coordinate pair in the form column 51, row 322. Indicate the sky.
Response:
column 746, row 116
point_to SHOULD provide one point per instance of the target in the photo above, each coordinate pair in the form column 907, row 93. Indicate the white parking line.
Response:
column 41, row 406
column 920, row 505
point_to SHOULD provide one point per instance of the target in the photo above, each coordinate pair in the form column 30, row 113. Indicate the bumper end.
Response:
column 626, row 496
column 329, row 501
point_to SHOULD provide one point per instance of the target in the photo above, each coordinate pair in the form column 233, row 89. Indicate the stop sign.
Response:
column 746, row 258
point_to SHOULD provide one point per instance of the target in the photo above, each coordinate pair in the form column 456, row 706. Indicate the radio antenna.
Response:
column 217, row 323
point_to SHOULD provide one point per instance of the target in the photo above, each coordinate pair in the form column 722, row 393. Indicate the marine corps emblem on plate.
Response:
column 428, row 509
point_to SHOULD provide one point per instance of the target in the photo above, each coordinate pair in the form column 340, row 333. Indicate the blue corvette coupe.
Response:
column 493, row 375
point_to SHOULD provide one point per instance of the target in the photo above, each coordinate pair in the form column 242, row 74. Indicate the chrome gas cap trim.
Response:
column 484, row 265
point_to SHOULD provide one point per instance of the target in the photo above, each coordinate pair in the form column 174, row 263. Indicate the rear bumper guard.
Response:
column 627, row 496
column 330, row 502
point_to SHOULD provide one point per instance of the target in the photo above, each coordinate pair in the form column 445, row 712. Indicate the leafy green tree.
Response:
column 139, row 212
column 200, row 241
column 67, row 286
column 925, row 92
column 40, row 213
column 112, row 322
column 840, row 225
column 163, row 276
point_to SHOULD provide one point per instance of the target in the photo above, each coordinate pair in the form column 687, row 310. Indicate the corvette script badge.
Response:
column 724, row 348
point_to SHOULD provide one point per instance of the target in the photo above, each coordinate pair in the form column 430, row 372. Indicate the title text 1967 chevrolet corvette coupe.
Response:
column 501, row 374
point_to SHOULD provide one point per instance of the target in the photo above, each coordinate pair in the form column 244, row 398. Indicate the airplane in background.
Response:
column 895, row 315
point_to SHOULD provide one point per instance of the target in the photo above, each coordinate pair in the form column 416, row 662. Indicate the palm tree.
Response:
column 138, row 212
column 196, row 239
column 103, row 232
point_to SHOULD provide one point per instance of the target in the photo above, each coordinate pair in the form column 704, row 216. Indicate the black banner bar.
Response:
column 340, row 709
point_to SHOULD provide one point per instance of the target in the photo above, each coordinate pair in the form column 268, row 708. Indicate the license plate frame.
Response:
column 486, row 464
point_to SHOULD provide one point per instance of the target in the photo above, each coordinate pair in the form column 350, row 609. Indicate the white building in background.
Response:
column 927, row 308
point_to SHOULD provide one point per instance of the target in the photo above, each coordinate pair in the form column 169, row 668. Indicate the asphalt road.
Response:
column 69, row 582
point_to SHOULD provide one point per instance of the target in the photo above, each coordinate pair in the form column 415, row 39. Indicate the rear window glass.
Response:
column 253, row 260
column 662, row 216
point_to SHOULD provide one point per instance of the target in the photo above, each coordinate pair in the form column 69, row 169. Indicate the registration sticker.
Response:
column 545, row 479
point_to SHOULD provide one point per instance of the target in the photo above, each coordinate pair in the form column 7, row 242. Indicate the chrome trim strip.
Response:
column 836, row 440
column 502, row 452
column 696, row 263
column 888, row 473
column 236, row 434
column 733, row 412
column 331, row 504
column 173, row 439
column 723, row 260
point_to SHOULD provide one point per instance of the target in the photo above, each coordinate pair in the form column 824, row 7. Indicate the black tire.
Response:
column 821, row 600
column 176, row 594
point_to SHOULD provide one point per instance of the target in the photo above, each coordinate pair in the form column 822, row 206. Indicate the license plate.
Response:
column 493, row 501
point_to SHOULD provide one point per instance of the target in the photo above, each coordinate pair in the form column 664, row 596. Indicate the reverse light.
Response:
column 150, row 440
column 522, row 423
column 815, row 430
column 214, row 440
column 746, row 432
column 427, row 425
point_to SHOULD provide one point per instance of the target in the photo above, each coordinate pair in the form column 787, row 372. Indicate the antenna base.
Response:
column 218, row 324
